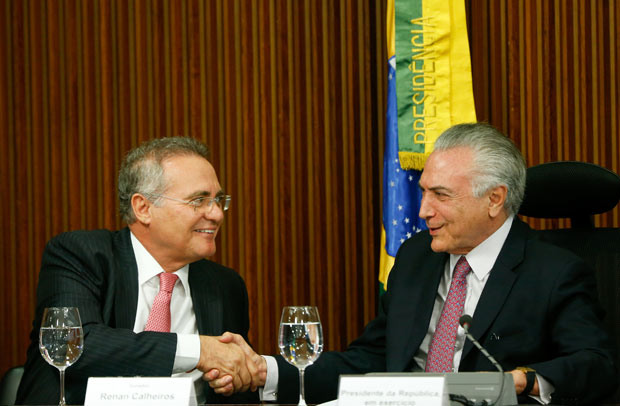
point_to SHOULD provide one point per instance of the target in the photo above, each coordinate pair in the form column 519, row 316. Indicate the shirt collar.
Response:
column 482, row 258
column 148, row 267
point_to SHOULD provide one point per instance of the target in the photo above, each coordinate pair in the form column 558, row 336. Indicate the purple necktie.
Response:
column 441, row 351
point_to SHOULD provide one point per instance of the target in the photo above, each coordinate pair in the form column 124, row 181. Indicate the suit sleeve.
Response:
column 365, row 354
column 582, row 369
column 69, row 278
column 77, row 271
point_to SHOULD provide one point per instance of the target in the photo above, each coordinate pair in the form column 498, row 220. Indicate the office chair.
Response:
column 9, row 384
column 578, row 190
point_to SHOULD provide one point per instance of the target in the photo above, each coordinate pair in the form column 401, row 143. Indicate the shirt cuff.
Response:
column 269, row 392
column 188, row 353
column 545, row 389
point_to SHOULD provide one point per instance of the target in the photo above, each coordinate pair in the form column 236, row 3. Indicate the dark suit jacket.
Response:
column 538, row 309
column 97, row 272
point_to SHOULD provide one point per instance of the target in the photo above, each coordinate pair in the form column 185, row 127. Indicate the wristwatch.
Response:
column 530, row 376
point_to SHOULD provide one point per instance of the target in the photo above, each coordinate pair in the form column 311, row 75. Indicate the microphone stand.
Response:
column 465, row 321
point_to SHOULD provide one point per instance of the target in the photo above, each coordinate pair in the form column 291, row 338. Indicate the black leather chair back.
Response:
column 578, row 190
column 569, row 189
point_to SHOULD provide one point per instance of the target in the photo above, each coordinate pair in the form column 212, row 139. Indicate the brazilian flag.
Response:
column 429, row 90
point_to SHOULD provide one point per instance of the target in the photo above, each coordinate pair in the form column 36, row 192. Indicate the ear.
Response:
column 141, row 208
column 497, row 199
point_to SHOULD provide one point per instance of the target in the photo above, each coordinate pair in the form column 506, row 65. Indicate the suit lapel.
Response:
column 126, row 296
column 499, row 285
column 206, row 298
column 421, row 283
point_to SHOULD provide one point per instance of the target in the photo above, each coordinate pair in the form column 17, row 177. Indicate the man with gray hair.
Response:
column 149, row 301
column 533, row 304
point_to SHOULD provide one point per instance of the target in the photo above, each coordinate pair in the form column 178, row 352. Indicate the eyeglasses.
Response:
column 201, row 202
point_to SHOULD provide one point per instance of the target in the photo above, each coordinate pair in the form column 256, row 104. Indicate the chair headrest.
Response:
column 569, row 189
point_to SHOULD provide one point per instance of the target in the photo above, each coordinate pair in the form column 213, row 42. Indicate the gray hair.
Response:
column 141, row 170
column 497, row 161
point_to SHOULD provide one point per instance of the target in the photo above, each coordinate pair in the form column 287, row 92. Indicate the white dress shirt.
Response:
column 183, row 318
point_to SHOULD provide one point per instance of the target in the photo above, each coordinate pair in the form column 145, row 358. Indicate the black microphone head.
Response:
column 465, row 321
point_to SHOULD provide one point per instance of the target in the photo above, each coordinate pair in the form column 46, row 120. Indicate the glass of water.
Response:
column 61, row 340
column 300, row 339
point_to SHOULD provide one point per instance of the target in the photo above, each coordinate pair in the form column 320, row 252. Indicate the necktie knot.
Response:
column 159, row 318
column 461, row 269
column 167, row 281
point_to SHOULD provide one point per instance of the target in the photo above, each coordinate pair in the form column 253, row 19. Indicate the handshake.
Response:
column 230, row 365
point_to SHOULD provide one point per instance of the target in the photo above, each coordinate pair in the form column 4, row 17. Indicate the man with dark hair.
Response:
column 534, row 305
column 173, row 204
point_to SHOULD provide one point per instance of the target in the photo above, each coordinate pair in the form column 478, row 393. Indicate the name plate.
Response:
column 365, row 390
column 140, row 391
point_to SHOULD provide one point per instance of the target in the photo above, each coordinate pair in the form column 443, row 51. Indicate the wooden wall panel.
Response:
column 285, row 93
column 546, row 74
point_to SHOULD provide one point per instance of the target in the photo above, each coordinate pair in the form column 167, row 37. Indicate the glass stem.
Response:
column 302, row 393
column 62, row 388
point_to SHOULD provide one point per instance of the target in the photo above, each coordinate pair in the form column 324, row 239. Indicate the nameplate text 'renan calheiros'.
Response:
column 140, row 391
column 366, row 390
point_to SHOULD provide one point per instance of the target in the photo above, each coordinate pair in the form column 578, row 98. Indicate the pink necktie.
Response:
column 159, row 318
column 441, row 351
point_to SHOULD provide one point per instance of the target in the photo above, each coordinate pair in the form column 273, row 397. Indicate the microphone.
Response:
column 466, row 321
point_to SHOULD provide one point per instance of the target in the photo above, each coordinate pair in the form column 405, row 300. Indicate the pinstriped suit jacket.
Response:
column 97, row 272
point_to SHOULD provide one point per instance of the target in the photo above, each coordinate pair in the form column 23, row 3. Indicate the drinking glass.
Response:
column 301, row 339
column 61, row 340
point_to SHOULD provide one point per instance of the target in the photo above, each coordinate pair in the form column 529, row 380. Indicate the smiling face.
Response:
column 173, row 232
column 457, row 221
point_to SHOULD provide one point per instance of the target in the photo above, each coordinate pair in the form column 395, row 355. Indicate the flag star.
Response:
column 397, row 169
column 400, row 207
column 402, row 240
column 392, row 184
column 394, row 222
column 410, row 178
column 409, row 236
column 396, row 160
column 407, row 220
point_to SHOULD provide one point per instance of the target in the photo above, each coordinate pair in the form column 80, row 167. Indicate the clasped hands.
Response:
column 230, row 365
